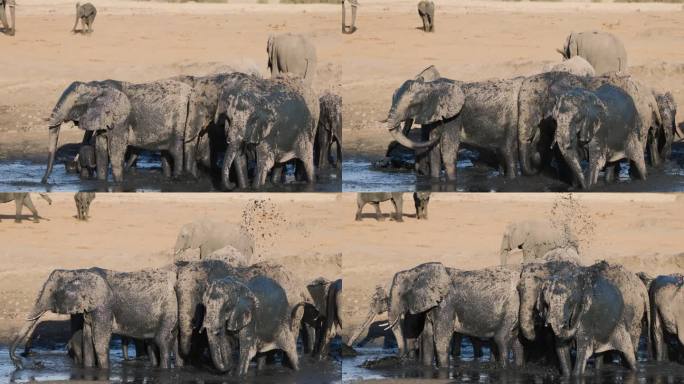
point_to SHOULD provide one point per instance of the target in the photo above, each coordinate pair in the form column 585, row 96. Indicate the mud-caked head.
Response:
column 562, row 302
column 578, row 114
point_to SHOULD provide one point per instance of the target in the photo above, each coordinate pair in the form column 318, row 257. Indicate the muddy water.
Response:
column 52, row 364
column 25, row 176
column 466, row 369
column 362, row 175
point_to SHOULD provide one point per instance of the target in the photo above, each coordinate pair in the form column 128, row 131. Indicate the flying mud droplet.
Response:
column 569, row 214
column 262, row 219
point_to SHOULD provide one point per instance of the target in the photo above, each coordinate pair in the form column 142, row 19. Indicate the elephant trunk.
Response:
column 369, row 319
column 216, row 348
column 52, row 149
column 398, row 135
column 394, row 316
column 21, row 336
column 526, row 314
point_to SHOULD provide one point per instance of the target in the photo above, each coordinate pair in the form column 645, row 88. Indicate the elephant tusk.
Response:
column 384, row 324
column 393, row 324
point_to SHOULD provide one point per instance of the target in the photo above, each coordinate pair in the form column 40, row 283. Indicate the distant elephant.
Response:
column 576, row 65
column 421, row 201
column 375, row 198
column 291, row 53
column 446, row 296
column 277, row 118
column 210, row 236
column 111, row 303
column 481, row 115
column 601, row 125
column 329, row 132
column 535, row 238
column 83, row 200
column 426, row 11
column 603, row 50
column 354, row 5
column 660, row 141
column 257, row 312
column 149, row 116
column 326, row 296
column 22, row 199
column 86, row 13
column 667, row 299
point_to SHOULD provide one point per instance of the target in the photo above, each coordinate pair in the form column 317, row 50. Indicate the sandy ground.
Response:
column 640, row 231
column 133, row 231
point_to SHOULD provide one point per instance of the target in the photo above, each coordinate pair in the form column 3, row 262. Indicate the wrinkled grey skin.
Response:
column 421, row 201
column 86, row 13
column 667, row 303
column 660, row 141
column 149, row 116
column 83, row 200
column 349, row 29
column 22, row 199
column 375, row 198
column 276, row 117
column 139, row 304
column 291, row 53
column 210, row 236
column 535, row 238
column 257, row 312
column 576, row 65
column 482, row 303
column 426, row 11
column 481, row 115
column 326, row 321
column 603, row 50
column 602, row 126
column 329, row 132
column 194, row 279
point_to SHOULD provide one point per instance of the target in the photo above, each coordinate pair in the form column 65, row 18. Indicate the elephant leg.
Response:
column 611, row 171
column 518, row 352
column 29, row 204
column 176, row 153
column 323, row 149
column 658, row 338
column 455, row 345
column 477, row 347
column 3, row 19
column 241, row 170
column 398, row 210
column 435, row 158
column 427, row 346
column 101, row 156
column 231, row 152
column 164, row 344
column 502, row 346
column 509, row 164
column 88, row 345
column 277, row 174
column 638, row 162
column 359, row 209
column 265, row 161
column 353, row 22
column 190, row 157
column 165, row 165
column 442, row 336
column 102, row 333
column 117, row 145
column 344, row 16
column 449, row 145
column 378, row 213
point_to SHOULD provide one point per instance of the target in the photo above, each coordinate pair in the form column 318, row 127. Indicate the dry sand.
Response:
column 128, row 232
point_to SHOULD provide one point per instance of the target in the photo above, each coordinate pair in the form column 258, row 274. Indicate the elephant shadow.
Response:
column 377, row 330
column 384, row 216
column 22, row 217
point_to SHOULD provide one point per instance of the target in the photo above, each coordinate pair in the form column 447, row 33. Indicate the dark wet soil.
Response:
column 369, row 173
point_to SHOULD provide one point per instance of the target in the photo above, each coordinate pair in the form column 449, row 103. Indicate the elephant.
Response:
column 139, row 304
column 22, row 199
column 291, row 53
column 535, row 238
column 11, row 27
column 660, row 141
column 83, row 200
column 149, row 116
column 666, row 313
column 480, row 115
column 329, row 132
column 568, row 253
column 602, row 125
column 277, row 118
column 326, row 295
column 86, row 163
column 576, row 65
column 426, row 11
column 604, row 51
column 421, row 201
column 230, row 255
column 86, row 13
column 210, row 236
column 193, row 282
column 257, row 312
column 375, row 198
column 351, row 28
column 482, row 303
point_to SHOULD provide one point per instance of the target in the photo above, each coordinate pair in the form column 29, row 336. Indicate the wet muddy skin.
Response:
column 373, row 363
column 25, row 176
column 52, row 364
column 363, row 174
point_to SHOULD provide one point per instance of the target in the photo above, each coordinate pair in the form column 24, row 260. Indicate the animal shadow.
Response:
column 22, row 217
column 384, row 216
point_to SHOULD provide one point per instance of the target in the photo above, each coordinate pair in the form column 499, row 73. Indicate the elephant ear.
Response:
column 428, row 74
column 428, row 288
column 440, row 99
column 260, row 121
column 241, row 314
column 592, row 118
column 318, row 289
column 83, row 292
column 108, row 110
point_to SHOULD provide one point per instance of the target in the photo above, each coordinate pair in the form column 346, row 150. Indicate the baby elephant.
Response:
column 426, row 10
column 376, row 198
column 83, row 200
column 86, row 13
column 421, row 200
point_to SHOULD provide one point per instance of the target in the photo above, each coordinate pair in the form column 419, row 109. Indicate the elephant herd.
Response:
column 190, row 312
column 421, row 201
column 542, row 309
column 239, row 125
column 586, row 109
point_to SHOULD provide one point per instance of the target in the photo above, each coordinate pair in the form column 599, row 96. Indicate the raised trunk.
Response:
column 399, row 136
column 369, row 319
column 52, row 149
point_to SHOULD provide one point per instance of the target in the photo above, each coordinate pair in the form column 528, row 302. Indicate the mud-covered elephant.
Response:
column 22, row 199
column 482, row 304
column 375, row 198
column 602, row 127
column 421, row 201
column 576, row 65
column 426, row 11
column 86, row 14
column 667, row 300
column 291, row 53
column 139, row 304
column 660, row 140
column 329, row 132
column 604, row 51
column 149, row 116
column 83, row 200
column 257, row 312
column 210, row 236
column 535, row 238
column 276, row 117
column 326, row 319
column 481, row 115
